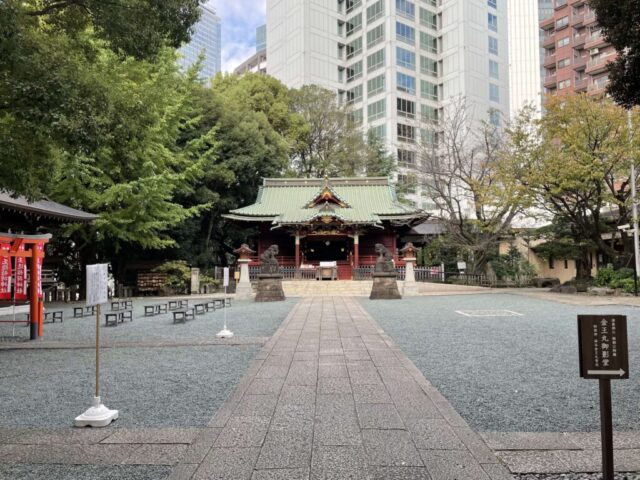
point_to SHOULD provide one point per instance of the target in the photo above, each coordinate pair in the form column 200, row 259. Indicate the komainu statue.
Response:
column 269, row 263
column 384, row 262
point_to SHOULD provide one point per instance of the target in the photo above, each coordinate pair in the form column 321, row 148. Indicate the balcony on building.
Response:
column 550, row 80
column 548, row 23
column 577, row 19
column 599, row 64
column 590, row 18
column 549, row 39
column 549, row 60
column 580, row 62
column 581, row 84
column 579, row 40
column 594, row 41
column 597, row 88
column 577, row 3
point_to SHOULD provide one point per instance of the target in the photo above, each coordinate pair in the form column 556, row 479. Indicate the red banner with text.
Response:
column 40, row 250
column 5, row 273
column 21, row 276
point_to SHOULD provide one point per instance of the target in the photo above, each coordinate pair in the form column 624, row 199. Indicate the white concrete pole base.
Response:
column 96, row 416
column 224, row 333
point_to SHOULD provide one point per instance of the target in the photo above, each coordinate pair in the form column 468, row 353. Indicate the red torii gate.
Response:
column 33, row 249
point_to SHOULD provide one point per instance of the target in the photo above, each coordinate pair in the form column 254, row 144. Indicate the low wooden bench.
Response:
column 181, row 316
column 111, row 319
column 126, row 315
column 157, row 309
column 210, row 306
column 51, row 315
column 162, row 308
column 79, row 312
column 200, row 308
column 222, row 302
column 121, row 305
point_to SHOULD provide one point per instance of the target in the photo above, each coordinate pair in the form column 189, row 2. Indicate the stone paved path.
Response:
column 330, row 396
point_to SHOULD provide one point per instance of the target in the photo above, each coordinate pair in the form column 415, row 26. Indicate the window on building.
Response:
column 354, row 71
column 375, row 35
column 375, row 85
column 375, row 60
column 376, row 110
column 494, row 69
column 428, row 66
column 354, row 24
column 566, row 263
column 405, row 33
column 406, row 9
column 551, row 263
column 565, row 62
column 379, row 131
column 564, row 84
column 494, row 117
column 375, row 11
column 428, row 18
column 351, row 4
column 406, row 158
column 354, row 47
column 406, row 108
column 493, row 22
column 563, row 42
column 406, row 133
column 493, row 45
column 428, row 90
column 429, row 137
column 356, row 116
column 355, row 94
column 560, row 3
column 407, row 183
column 406, row 83
column 562, row 22
column 494, row 93
column 428, row 42
column 429, row 114
column 405, row 58
column 492, row 3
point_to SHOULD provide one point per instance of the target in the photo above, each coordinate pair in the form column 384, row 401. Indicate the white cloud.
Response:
column 239, row 21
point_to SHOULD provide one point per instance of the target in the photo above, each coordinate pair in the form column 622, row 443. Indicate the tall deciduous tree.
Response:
column 477, row 184
column 619, row 21
column 581, row 171
column 329, row 143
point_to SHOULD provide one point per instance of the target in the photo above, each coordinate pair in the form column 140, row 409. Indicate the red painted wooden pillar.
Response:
column 34, row 308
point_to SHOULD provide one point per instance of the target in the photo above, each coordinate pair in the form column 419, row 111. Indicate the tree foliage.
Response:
column 475, row 181
column 581, row 170
column 619, row 21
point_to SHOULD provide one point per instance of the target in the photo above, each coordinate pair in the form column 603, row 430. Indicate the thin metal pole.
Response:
column 98, row 351
column 224, row 305
column 634, row 205
column 606, row 428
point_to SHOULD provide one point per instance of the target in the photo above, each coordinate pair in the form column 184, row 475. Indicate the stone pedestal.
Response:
column 385, row 287
column 269, row 288
column 243, row 287
column 409, row 287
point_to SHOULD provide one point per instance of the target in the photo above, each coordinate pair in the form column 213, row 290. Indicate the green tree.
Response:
column 581, row 171
column 619, row 21
column 329, row 143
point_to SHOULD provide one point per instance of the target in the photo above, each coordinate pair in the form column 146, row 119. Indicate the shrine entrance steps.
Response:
column 326, row 288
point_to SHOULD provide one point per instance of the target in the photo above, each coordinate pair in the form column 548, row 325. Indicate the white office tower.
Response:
column 398, row 62
column 525, row 85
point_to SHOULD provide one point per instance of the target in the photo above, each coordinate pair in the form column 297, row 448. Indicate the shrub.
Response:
column 178, row 274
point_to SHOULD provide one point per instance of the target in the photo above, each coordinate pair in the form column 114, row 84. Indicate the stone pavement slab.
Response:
column 331, row 396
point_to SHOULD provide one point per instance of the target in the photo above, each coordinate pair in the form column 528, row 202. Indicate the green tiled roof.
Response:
column 286, row 201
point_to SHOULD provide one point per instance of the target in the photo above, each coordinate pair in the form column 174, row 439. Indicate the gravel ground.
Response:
column 516, row 373
column 576, row 476
column 151, row 387
column 83, row 472
column 246, row 319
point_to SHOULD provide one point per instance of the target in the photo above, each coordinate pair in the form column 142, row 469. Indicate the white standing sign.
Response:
column 225, row 278
column 97, row 287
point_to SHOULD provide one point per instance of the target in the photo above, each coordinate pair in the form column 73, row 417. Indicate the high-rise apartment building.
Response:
column 525, row 86
column 397, row 62
column 205, row 40
column 576, row 53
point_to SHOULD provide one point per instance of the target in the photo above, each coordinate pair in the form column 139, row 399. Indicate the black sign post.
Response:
column 604, row 356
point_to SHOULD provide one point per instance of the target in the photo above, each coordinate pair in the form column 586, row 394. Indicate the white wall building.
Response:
column 524, row 56
column 398, row 62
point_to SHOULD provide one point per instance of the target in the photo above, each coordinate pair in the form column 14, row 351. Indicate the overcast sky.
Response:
column 239, row 21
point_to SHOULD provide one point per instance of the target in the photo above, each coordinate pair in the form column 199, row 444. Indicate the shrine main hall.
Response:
column 328, row 220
